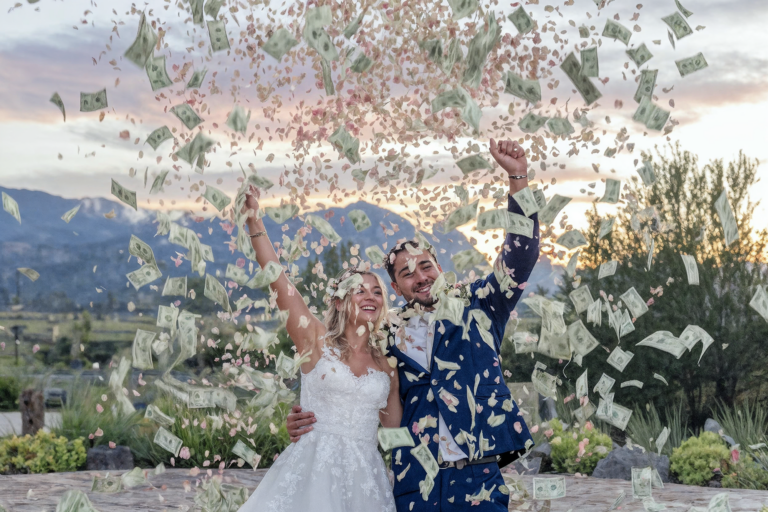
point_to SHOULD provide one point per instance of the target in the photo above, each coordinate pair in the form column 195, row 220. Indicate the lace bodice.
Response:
column 343, row 403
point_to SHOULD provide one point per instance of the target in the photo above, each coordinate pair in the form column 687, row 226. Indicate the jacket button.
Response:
column 434, row 382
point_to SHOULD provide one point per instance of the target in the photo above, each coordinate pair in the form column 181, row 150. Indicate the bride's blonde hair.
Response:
column 337, row 315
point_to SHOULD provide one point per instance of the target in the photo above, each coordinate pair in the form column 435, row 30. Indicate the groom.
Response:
column 451, row 383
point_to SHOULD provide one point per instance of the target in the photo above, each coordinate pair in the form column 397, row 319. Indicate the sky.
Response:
column 65, row 46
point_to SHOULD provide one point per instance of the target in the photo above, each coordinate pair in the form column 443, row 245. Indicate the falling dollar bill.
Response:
column 155, row 414
column 473, row 163
column 607, row 269
column 646, row 84
column 634, row 302
column 33, row 275
column 640, row 55
column 266, row 276
column 216, row 292
column 641, row 482
column 141, row 250
column 56, row 100
column 612, row 191
column 509, row 221
column 665, row 341
column 691, row 269
column 529, row 90
column 346, row 144
column 759, row 302
column 560, row 126
column 581, row 340
column 727, row 219
column 549, row 488
column 647, row 173
column 124, row 195
column 238, row 119
column 606, row 226
column 282, row 213
column 218, row 35
column 619, row 358
column 246, row 453
column 375, row 254
column 531, row 122
column 216, row 197
column 279, row 44
column 572, row 239
column 158, row 75
column 106, row 485
column 70, row 214
column 90, row 102
column 142, row 349
column 616, row 30
column 604, row 385
column 186, row 115
column 197, row 78
column 359, row 220
column 354, row 25
column 616, row 415
column 168, row 441
column 581, row 298
column 142, row 47
column 159, row 136
column 691, row 64
column 323, row 227
column 589, row 62
column 11, row 206
column 582, row 385
column 486, row 39
column 633, row 383
column 520, row 19
column 316, row 36
column 527, row 201
column 159, row 181
column 548, row 214
column 678, row 25
column 143, row 276
column 460, row 216
column 166, row 317
column 390, row 438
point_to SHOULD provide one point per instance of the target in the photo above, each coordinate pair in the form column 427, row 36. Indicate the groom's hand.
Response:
column 298, row 423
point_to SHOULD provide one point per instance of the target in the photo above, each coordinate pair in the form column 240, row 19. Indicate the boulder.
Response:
column 543, row 452
column 713, row 426
column 619, row 463
column 102, row 458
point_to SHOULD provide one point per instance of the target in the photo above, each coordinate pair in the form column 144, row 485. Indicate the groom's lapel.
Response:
column 406, row 359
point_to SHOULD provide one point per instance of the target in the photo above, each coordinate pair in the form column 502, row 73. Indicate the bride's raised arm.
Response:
column 303, row 327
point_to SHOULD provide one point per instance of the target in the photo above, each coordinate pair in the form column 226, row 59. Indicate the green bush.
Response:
column 697, row 457
column 744, row 474
column 565, row 448
column 43, row 453
column 10, row 389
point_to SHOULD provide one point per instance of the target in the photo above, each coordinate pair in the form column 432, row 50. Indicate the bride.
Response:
column 350, row 386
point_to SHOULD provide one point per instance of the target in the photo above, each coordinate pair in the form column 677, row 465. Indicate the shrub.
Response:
column 43, row 453
column 697, row 457
column 744, row 474
column 566, row 456
column 10, row 389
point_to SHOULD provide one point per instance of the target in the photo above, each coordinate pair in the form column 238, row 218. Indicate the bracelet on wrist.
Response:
column 258, row 234
column 517, row 176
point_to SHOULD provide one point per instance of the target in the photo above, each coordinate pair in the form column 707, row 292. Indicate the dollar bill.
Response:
column 634, row 302
column 581, row 340
column 510, row 222
column 125, row 195
column 11, row 206
column 604, row 385
column 390, row 438
column 691, row 64
column 327, row 79
column 683, row 10
column 361, row 64
column 727, row 219
column 719, row 503
column 548, row 214
column 572, row 239
column 679, row 26
column 612, row 191
column 359, row 220
column 200, row 398
column 323, row 227
column 615, row 414
column 282, row 213
column 520, row 19
column 217, row 32
column 643, row 112
column 56, row 100
column 473, row 163
column 661, row 440
column 544, row 383
column 595, row 313
column 246, row 453
column 375, row 254
column 33, row 275
column 607, row 269
column 582, row 385
column 487, row 37
column 216, row 292
column 606, row 226
column 460, row 216
column 657, row 119
column 560, row 126
column 259, row 181
column 634, row 383
column 166, row 317
column 583, row 413
column 583, row 32
column 538, row 195
column 526, row 201
column 141, row 352
column 549, row 488
column 525, row 342
column 142, row 250
column 346, row 143
column 647, row 173
column 106, row 485
column 759, row 302
column 666, row 341
column 581, row 298
column 237, row 274
column 212, row 7
column 531, row 122
column 646, row 84
column 159, row 136
column 144, row 44
column 529, row 90
column 616, row 30
column 639, row 55
column 158, row 75
column 69, row 215
column 92, row 101
column 194, row 152
column 589, row 62
column 641, row 482
column 197, row 78
column 266, row 276
column 238, row 119
column 570, row 268
column 422, row 454
column 197, row 11
column 158, row 182
column 619, row 358
column 143, row 276
column 75, row 501
column 216, row 197
column 176, row 286
column 186, row 115
column 671, row 38
column 691, row 269
column 553, row 342
column 316, row 36
column 155, row 414
column 354, row 25
column 168, row 441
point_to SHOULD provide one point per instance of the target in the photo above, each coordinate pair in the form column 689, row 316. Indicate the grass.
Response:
column 645, row 425
column 747, row 424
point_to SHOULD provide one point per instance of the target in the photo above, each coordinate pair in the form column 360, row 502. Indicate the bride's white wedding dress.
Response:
column 336, row 467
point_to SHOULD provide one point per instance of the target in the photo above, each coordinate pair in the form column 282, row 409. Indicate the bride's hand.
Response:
column 251, row 203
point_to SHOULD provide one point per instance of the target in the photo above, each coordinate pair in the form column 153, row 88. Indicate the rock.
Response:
column 619, row 463
column 715, row 483
column 32, row 408
column 103, row 458
column 712, row 426
column 729, row 440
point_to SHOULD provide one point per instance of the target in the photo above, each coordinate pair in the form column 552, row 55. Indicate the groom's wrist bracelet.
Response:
column 517, row 177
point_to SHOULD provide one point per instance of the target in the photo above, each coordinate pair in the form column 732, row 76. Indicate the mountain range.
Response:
column 86, row 260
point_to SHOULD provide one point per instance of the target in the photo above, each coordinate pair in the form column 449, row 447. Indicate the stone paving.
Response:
column 168, row 493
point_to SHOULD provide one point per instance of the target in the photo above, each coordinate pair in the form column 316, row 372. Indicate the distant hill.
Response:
column 65, row 254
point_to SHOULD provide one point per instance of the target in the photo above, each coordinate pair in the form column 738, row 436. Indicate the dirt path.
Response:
column 584, row 494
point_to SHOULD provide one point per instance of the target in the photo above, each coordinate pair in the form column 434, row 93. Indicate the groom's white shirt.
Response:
column 419, row 336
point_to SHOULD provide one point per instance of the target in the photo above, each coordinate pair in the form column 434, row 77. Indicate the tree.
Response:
column 675, row 216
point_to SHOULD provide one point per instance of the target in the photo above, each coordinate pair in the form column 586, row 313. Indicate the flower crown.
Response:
column 347, row 280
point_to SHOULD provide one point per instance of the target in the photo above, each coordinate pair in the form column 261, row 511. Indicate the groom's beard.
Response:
column 428, row 303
